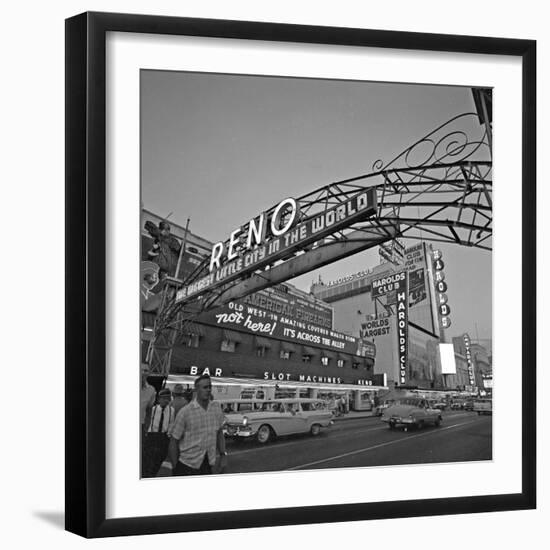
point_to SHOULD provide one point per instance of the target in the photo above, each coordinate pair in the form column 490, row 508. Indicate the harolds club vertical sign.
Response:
column 402, row 316
column 441, row 288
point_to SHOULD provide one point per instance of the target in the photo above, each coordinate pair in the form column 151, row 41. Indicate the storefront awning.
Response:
column 306, row 350
column 343, row 357
column 329, row 354
column 232, row 336
column 263, row 342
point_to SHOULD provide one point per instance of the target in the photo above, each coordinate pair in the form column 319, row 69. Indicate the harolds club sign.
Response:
column 397, row 284
column 402, row 307
column 275, row 235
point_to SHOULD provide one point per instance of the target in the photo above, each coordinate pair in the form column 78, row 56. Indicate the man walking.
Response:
column 147, row 399
column 197, row 437
column 156, row 440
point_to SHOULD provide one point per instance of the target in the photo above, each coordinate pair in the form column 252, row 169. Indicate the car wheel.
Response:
column 264, row 434
column 438, row 422
column 420, row 425
column 391, row 425
column 315, row 429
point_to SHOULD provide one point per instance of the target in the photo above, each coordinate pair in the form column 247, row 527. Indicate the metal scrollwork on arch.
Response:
column 459, row 139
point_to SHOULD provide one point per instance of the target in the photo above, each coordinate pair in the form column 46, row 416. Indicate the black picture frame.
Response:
column 86, row 285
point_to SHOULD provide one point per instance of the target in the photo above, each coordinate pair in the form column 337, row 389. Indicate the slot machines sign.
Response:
column 443, row 307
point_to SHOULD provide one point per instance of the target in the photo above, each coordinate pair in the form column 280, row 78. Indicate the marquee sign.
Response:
column 278, row 376
column 469, row 362
column 274, row 236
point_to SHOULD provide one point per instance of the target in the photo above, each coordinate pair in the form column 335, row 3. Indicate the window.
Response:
column 355, row 365
column 284, row 355
column 228, row 345
column 306, row 358
column 340, row 363
column 191, row 340
column 324, row 361
column 261, row 351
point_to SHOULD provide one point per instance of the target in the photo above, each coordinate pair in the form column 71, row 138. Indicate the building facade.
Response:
column 365, row 305
column 280, row 339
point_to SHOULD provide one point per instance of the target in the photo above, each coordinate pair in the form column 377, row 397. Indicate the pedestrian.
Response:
column 156, row 439
column 342, row 404
column 180, row 400
column 147, row 399
column 197, row 444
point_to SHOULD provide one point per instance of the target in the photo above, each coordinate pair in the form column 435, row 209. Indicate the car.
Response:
column 441, row 405
column 469, row 405
column 411, row 412
column 483, row 406
column 278, row 417
column 383, row 406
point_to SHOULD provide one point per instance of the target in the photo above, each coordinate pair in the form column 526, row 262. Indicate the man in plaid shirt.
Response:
column 197, row 436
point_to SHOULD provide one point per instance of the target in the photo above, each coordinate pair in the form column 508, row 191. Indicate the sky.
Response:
column 219, row 149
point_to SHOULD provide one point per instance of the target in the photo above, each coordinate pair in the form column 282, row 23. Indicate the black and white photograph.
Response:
column 305, row 243
column 316, row 274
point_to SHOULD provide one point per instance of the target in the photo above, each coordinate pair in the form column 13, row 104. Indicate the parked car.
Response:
column 457, row 405
column 483, row 406
column 411, row 412
column 469, row 405
column 276, row 417
column 441, row 405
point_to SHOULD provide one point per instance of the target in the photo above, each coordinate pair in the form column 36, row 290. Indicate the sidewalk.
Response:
column 354, row 414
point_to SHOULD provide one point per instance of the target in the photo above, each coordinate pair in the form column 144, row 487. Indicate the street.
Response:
column 359, row 442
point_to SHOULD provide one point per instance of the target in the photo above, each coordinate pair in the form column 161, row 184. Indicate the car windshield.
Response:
column 412, row 402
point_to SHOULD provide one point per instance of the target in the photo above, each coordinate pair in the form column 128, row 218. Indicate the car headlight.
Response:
column 245, row 421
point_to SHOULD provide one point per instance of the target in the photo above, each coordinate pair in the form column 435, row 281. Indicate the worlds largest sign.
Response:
column 274, row 236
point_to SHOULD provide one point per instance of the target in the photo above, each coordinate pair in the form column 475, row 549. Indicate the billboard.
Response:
column 291, row 318
column 413, row 260
column 447, row 356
